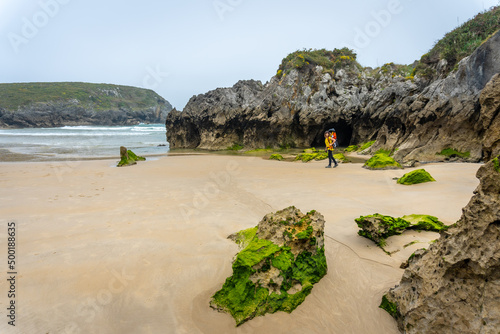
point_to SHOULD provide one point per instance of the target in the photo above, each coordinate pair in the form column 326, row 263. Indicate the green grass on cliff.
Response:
column 100, row 96
column 460, row 42
column 331, row 61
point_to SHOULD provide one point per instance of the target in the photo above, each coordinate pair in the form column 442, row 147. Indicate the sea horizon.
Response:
column 81, row 142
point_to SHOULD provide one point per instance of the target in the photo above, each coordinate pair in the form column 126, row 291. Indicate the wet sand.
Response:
column 141, row 249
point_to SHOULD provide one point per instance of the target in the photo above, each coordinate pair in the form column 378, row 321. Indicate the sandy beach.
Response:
column 142, row 249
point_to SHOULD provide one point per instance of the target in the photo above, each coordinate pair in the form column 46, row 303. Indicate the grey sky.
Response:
column 185, row 48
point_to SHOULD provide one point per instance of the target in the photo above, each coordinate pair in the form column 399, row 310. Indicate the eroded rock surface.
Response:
column 417, row 117
column 279, row 262
column 454, row 286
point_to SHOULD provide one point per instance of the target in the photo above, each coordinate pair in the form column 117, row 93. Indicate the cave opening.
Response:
column 344, row 134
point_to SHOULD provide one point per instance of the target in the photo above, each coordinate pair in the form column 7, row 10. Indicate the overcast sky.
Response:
column 185, row 48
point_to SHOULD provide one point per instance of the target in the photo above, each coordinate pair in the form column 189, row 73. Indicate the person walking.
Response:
column 329, row 143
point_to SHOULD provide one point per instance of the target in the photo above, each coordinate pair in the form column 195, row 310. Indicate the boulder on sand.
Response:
column 280, row 260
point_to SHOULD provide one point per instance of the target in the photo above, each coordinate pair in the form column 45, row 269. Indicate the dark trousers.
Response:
column 331, row 158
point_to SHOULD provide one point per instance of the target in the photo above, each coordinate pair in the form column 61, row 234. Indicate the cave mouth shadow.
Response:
column 344, row 134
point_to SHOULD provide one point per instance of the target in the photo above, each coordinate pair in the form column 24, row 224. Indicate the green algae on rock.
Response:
column 425, row 223
column 496, row 164
column 340, row 157
column 276, row 156
column 415, row 177
column 306, row 157
column 351, row 148
column 379, row 227
column 279, row 262
column 128, row 157
column 381, row 161
column 389, row 307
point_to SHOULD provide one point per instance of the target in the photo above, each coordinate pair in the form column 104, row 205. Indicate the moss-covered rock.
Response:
column 496, row 164
column 276, row 156
column 378, row 227
column 311, row 150
column 259, row 151
column 453, row 153
column 366, row 145
column 425, row 223
column 279, row 262
column 306, row 157
column 128, row 158
column 416, row 176
column 340, row 157
column 381, row 161
column 389, row 306
column 351, row 148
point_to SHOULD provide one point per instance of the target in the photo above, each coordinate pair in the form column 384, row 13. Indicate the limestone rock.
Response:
column 454, row 286
column 490, row 117
column 417, row 117
column 379, row 227
column 128, row 158
column 279, row 262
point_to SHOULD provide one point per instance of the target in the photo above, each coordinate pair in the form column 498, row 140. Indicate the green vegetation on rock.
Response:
column 129, row 159
column 331, row 61
column 451, row 153
column 99, row 96
column 366, row 145
column 276, row 156
column 425, row 223
column 381, row 161
column 311, row 150
column 415, row 177
column 235, row 147
column 306, row 157
column 267, row 277
column 351, row 148
column 460, row 42
column 340, row 157
column 496, row 164
column 244, row 237
column 379, row 227
column 390, row 307
column 259, row 150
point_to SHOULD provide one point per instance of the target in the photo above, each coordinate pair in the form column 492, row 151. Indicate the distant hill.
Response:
column 77, row 103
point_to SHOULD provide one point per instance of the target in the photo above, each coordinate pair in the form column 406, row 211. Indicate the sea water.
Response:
column 81, row 142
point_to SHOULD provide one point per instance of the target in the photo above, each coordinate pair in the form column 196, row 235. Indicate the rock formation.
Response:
column 416, row 116
column 62, row 104
column 454, row 286
column 379, row 227
column 279, row 262
column 415, row 177
column 128, row 158
column 381, row 161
